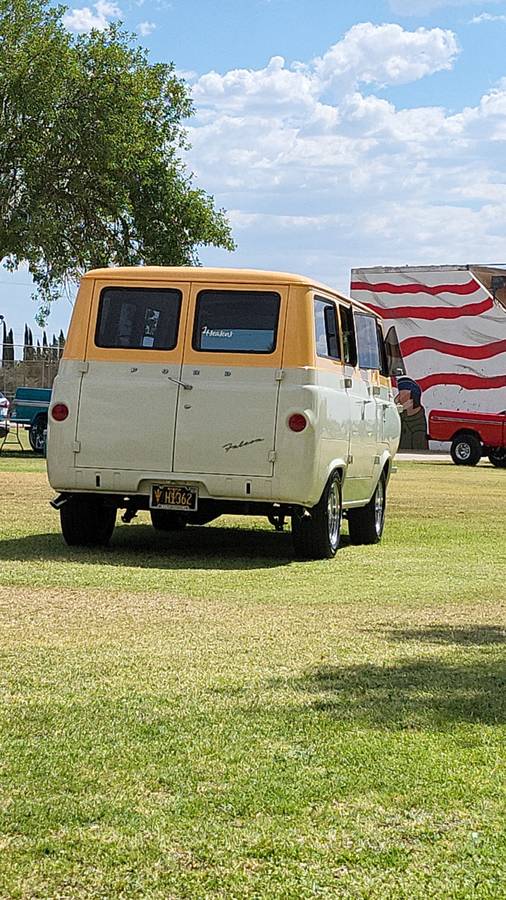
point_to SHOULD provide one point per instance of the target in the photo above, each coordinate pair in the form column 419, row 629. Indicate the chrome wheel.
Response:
column 463, row 451
column 316, row 531
column 366, row 523
column 334, row 513
column 379, row 506
column 466, row 450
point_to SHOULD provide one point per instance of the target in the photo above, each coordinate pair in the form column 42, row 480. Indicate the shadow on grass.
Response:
column 416, row 693
column 413, row 694
column 20, row 455
column 469, row 635
column 142, row 547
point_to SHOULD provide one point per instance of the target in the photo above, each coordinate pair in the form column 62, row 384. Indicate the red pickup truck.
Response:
column 472, row 435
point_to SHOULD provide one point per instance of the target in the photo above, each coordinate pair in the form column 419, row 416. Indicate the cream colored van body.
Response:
column 218, row 421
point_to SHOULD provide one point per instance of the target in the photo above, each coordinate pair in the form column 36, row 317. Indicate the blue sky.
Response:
column 335, row 134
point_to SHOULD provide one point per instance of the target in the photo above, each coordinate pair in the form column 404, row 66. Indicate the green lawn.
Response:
column 200, row 716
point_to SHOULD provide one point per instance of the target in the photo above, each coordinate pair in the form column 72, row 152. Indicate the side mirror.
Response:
column 394, row 356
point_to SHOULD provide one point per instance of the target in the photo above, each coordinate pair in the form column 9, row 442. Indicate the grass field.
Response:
column 200, row 716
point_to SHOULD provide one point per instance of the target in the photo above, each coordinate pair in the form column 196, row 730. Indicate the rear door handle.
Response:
column 184, row 385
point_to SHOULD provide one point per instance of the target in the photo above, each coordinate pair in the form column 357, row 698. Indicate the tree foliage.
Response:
column 91, row 138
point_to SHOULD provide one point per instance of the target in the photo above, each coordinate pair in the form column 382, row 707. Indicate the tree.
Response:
column 7, row 345
column 91, row 138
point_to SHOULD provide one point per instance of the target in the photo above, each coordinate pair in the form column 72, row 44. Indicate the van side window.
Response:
column 348, row 330
column 138, row 318
column 236, row 321
column 326, row 329
column 367, row 341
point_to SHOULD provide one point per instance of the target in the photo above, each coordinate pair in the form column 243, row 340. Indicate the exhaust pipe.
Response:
column 59, row 501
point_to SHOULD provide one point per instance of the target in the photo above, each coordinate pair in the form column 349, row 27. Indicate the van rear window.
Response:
column 138, row 318
column 236, row 321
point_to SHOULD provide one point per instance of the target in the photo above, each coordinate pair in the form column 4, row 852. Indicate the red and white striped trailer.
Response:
column 451, row 324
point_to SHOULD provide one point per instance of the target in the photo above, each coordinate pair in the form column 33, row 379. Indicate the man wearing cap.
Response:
column 412, row 413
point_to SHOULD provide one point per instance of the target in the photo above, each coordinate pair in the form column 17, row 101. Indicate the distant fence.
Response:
column 38, row 371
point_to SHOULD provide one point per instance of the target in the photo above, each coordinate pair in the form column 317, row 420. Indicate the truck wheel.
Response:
column 366, row 523
column 498, row 457
column 87, row 521
column 36, row 434
column 316, row 532
column 166, row 520
column 466, row 450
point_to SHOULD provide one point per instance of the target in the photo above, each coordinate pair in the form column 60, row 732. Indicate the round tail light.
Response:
column 297, row 422
column 60, row 412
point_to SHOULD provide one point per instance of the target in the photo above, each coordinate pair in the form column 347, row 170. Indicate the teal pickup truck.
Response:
column 29, row 408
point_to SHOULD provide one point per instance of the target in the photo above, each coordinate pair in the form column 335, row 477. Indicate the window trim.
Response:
column 365, row 315
column 349, row 310
column 384, row 367
column 139, row 290
column 332, row 303
column 227, row 352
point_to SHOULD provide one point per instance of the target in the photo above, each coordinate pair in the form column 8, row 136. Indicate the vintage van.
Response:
column 194, row 392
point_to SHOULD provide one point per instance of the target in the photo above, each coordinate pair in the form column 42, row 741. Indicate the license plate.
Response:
column 173, row 496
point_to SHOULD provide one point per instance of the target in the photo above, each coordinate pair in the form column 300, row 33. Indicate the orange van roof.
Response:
column 203, row 273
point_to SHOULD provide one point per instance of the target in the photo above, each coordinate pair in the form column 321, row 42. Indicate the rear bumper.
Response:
column 138, row 483
column 130, row 483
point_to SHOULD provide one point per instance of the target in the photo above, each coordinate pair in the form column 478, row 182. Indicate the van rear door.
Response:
column 226, row 417
column 130, row 383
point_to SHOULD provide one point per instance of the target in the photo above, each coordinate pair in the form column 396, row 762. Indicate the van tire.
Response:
column 316, row 532
column 366, row 523
column 166, row 520
column 86, row 521
column 466, row 449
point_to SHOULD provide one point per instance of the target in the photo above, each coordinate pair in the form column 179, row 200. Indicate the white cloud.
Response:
column 85, row 20
column 146, row 28
column 321, row 174
column 240, row 220
column 187, row 75
column 256, row 89
column 367, row 54
column 387, row 54
column 276, row 119
column 486, row 17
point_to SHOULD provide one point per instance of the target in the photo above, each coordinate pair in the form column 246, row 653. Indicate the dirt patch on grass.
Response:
column 86, row 616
